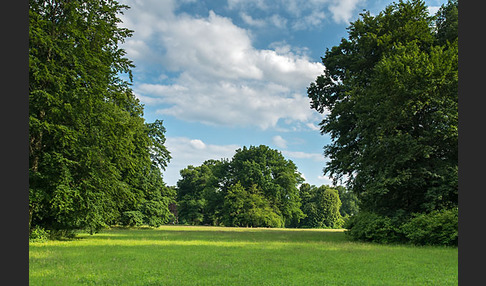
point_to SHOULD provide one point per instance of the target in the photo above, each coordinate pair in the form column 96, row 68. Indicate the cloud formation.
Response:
column 221, row 78
column 279, row 142
column 301, row 15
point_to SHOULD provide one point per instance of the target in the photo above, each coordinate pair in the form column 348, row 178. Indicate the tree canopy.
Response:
column 91, row 155
column 321, row 206
column 391, row 90
column 257, row 187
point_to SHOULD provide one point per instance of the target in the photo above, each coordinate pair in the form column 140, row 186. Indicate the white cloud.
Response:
column 433, row 9
column 278, row 21
column 252, row 22
column 279, row 142
column 313, row 127
column 186, row 151
column 302, row 15
column 317, row 157
column 222, row 78
column 197, row 144
column 313, row 19
column 238, row 4
column 342, row 10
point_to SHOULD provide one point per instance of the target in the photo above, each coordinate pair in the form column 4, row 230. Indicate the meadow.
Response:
column 183, row 255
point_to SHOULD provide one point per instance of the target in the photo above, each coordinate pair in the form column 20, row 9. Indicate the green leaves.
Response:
column 321, row 207
column 90, row 151
column 391, row 92
column 258, row 187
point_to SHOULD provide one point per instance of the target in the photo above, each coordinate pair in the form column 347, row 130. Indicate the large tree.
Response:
column 199, row 195
column 275, row 176
column 258, row 187
column 390, row 90
column 89, row 147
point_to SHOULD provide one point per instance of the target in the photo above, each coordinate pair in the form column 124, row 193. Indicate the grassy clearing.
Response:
column 178, row 255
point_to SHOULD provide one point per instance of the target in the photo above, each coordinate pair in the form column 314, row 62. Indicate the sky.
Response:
column 224, row 74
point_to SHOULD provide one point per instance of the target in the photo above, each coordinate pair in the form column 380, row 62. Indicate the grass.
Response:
column 180, row 255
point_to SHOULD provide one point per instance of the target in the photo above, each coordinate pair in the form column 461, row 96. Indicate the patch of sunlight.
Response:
column 42, row 273
column 239, row 244
column 243, row 229
column 39, row 254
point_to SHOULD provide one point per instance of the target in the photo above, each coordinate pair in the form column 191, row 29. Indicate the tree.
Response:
column 89, row 147
column 275, row 176
column 258, row 187
column 349, row 202
column 248, row 208
column 321, row 207
column 200, row 194
column 391, row 90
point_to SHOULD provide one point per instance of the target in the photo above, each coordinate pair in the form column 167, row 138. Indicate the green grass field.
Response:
column 180, row 255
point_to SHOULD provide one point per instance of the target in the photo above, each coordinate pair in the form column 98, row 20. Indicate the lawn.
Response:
column 181, row 255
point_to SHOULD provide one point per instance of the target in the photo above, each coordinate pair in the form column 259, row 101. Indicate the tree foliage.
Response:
column 91, row 155
column 391, row 90
column 350, row 202
column 321, row 207
column 275, row 176
column 257, row 187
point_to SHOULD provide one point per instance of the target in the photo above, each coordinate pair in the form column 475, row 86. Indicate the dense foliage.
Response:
column 391, row 90
column 321, row 207
column 257, row 187
column 91, row 155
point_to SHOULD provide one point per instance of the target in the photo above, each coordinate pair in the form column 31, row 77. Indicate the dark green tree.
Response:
column 200, row 193
column 89, row 147
column 248, row 208
column 391, row 92
column 258, row 187
column 274, row 175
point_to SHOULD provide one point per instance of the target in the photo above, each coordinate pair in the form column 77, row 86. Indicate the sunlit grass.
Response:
column 180, row 255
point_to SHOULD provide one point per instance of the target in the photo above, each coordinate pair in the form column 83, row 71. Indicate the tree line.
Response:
column 389, row 90
column 258, row 187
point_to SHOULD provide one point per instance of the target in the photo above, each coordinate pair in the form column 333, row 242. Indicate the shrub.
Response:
column 372, row 227
column 132, row 218
column 38, row 234
column 435, row 228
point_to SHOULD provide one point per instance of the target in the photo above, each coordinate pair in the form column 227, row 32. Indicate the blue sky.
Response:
column 231, row 73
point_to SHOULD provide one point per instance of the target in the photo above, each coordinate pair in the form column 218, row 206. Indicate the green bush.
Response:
column 132, row 218
column 435, row 228
column 39, row 234
column 372, row 227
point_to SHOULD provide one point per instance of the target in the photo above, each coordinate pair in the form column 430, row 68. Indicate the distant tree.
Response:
column 321, row 207
column 200, row 193
column 190, row 196
column 275, row 176
column 349, row 202
column 248, row 208
column 257, row 187
column 157, row 198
